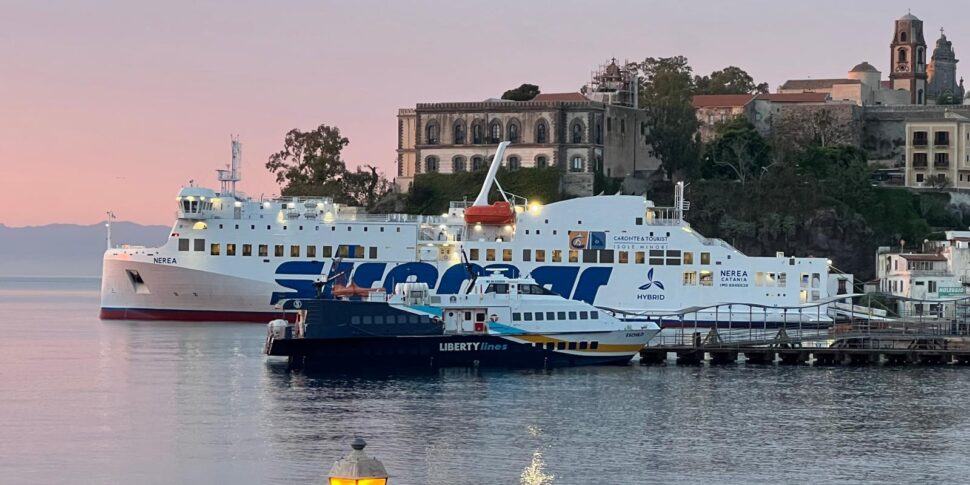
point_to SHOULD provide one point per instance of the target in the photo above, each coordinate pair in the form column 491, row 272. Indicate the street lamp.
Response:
column 358, row 468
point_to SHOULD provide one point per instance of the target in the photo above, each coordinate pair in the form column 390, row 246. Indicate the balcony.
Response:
column 941, row 163
column 941, row 143
column 919, row 163
column 920, row 142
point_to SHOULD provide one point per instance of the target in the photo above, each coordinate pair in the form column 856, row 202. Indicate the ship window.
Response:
column 782, row 279
column 527, row 316
column 550, row 345
column 402, row 319
column 526, row 255
column 506, row 255
column 247, row 249
column 278, row 250
column 572, row 315
column 500, row 288
column 326, row 251
column 705, row 258
column 584, row 315
column 311, row 251
column 688, row 257
column 606, row 256
column 656, row 261
column 489, row 255
column 640, row 257
column 594, row 315
column 561, row 345
column 230, row 249
column 639, row 221
column 198, row 244
column 355, row 320
column 589, row 255
column 550, row 315
column 816, row 278
column 690, row 278
column 573, row 256
column 367, row 320
column 673, row 253
column 516, row 317
column 263, row 250
column 294, row 251
column 583, row 345
column 267, row 227
column 413, row 319
column 359, row 252
column 759, row 278
column 343, row 251
column 214, row 249
column 655, row 253
column 624, row 257
column 183, row 244
column 468, row 316
column 373, row 252
column 540, row 255
column 572, row 345
column 479, row 317
column 284, row 228
column 473, row 254
column 707, row 278
column 673, row 262
column 594, row 345
column 557, row 255
column 561, row 315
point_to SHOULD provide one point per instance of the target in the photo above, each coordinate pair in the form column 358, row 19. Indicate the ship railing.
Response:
column 459, row 204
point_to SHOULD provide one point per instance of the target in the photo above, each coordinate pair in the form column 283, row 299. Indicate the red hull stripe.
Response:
column 190, row 315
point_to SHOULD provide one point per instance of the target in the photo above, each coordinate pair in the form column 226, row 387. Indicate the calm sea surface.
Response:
column 86, row 401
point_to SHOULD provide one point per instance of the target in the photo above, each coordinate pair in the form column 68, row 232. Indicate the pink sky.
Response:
column 113, row 105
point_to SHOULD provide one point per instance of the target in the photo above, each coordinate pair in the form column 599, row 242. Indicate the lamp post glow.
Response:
column 358, row 468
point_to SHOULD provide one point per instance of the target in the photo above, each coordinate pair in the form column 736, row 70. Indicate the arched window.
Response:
column 476, row 163
column 541, row 161
column 919, row 96
column 431, row 133
column 902, row 55
column 599, row 132
column 494, row 132
column 513, row 131
column 902, row 36
column 478, row 132
column 920, row 56
column 542, row 132
column 577, row 164
column 514, row 163
column 458, row 164
column 459, row 133
column 431, row 164
column 576, row 132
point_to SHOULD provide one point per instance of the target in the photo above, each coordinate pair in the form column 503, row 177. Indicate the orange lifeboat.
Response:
column 496, row 214
column 341, row 291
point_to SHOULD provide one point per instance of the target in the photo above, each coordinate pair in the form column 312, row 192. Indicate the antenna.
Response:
column 107, row 225
column 233, row 174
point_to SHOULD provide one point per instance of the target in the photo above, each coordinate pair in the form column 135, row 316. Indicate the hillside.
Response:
column 67, row 249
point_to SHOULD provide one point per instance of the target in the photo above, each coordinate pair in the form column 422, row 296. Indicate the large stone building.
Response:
column 942, row 74
column 764, row 111
column 600, row 131
column 938, row 152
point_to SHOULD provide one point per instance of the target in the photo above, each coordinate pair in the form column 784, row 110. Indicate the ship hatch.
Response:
column 137, row 283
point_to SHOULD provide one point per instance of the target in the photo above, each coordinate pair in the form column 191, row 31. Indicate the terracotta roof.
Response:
column 808, row 84
column 721, row 100
column 560, row 97
column 923, row 257
column 795, row 97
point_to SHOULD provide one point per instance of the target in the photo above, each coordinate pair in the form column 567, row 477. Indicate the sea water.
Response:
column 90, row 401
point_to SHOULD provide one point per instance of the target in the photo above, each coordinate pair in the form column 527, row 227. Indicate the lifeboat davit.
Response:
column 497, row 213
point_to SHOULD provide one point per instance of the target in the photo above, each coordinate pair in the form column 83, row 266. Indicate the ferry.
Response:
column 230, row 257
column 494, row 321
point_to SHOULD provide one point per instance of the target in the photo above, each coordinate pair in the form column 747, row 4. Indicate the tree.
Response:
column 800, row 127
column 310, row 162
column 730, row 80
column 665, row 94
column 524, row 92
column 738, row 151
column 365, row 187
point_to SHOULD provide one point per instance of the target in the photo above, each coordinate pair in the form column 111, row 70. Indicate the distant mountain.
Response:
column 67, row 249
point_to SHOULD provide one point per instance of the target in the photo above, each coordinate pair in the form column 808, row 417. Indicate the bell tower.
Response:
column 907, row 59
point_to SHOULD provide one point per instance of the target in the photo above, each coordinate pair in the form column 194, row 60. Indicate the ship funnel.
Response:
column 482, row 198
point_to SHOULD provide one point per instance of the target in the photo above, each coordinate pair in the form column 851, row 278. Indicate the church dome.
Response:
column 908, row 16
column 864, row 67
